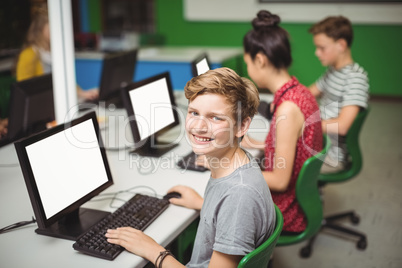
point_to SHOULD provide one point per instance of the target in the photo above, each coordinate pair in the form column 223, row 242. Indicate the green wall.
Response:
column 376, row 47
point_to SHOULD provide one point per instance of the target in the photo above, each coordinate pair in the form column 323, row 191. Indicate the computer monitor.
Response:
column 200, row 64
column 117, row 72
column 63, row 168
column 151, row 109
column 31, row 106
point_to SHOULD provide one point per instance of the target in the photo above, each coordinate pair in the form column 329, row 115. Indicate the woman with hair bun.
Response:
column 295, row 128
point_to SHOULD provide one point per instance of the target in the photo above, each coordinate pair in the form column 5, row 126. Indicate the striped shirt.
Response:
column 340, row 88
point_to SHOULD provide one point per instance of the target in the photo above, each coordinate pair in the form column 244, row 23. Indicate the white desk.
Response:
column 24, row 248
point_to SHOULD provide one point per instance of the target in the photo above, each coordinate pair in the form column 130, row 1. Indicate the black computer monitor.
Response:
column 117, row 72
column 63, row 168
column 200, row 64
column 31, row 106
column 151, row 109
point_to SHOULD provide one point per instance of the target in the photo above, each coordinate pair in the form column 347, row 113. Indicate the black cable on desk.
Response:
column 16, row 225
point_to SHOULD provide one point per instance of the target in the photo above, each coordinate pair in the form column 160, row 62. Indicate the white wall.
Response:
column 245, row 10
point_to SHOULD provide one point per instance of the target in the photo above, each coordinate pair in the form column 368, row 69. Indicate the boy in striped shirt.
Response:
column 343, row 89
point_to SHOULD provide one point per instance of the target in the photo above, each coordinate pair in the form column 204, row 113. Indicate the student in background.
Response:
column 295, row 132
column 3, row 127
column 237, row 214
column 343, row 89
column 35, row 58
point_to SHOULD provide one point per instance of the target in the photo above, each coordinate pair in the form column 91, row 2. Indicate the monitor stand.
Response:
column 74, row 224
column 155, row 149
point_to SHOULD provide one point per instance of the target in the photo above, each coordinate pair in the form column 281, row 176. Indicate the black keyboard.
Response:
column 139, row 212
column 189, row 162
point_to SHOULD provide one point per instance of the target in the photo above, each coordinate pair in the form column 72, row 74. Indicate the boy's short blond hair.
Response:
column 240, row 92
column 335, row 27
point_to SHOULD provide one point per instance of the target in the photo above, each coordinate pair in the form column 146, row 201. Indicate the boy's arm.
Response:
column 355, row 95
column 140, row 244
column 340, row 125
column 219, row 259
column 189, row 197
column 314, row 90
column 289, row 126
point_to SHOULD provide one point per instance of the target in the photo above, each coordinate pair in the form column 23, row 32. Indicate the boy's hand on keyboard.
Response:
column 135, row 241
column 189, row 197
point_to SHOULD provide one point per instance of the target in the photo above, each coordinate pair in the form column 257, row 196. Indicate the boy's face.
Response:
column 210, row 126
column 327, row 49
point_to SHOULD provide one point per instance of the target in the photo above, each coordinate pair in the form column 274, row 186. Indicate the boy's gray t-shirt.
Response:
column 237, row 216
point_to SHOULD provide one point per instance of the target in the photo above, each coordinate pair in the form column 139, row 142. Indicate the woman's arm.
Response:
column 289, row 127
column 250, row 143
column 89, row 94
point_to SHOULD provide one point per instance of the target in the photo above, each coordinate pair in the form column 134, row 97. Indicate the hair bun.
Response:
column 265, row 19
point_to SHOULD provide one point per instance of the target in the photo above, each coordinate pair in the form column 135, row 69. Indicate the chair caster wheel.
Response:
column 305, row 252
column 362, row 244
column 355, row 219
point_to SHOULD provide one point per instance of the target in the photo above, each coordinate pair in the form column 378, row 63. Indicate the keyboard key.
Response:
column 139, row 212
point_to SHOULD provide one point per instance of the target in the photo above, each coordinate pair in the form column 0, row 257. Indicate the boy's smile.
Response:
column 202, row 139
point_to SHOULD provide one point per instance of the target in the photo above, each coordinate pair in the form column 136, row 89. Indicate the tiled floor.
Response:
column 375, row 194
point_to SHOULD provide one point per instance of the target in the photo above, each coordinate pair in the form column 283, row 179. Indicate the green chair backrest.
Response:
column 261, row 255
column 352, row 144
column 308, row 197
column 5, row 85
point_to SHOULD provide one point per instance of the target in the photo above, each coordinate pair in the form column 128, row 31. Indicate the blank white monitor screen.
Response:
column 152, row 107
column 202, row 66
column 67, row 166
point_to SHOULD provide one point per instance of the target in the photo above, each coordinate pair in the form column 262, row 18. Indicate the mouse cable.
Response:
column 16, row 225
column 122, row 191
column 113, row 196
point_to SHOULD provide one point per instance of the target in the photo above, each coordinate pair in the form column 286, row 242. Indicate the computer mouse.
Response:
column 172, row 195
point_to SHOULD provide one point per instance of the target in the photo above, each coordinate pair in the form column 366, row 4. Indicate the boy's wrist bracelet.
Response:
column 162, row 256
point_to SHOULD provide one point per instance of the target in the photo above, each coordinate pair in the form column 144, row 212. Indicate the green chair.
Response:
column 5, row 84
column 261, row 255
column 309, row 199
column 352, row 169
